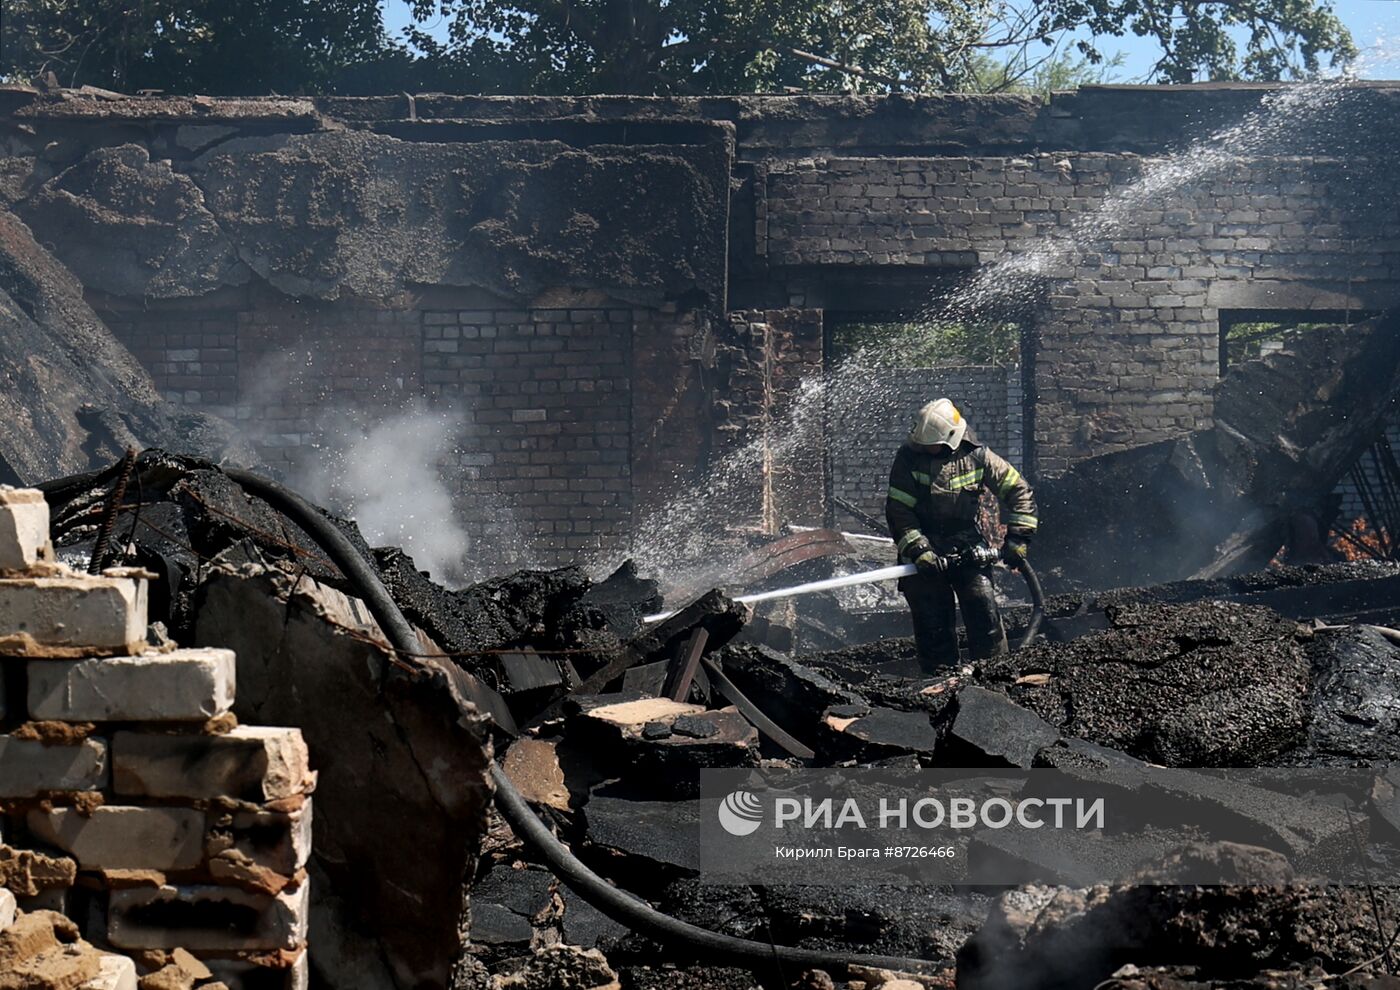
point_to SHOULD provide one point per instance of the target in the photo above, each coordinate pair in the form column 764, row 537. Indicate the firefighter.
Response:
column 935, row 486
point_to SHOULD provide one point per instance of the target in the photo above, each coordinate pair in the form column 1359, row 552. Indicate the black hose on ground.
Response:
column 340, row 550
column 1037, row 603
column 613, row 902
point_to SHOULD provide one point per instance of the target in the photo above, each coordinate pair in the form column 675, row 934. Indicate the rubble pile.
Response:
column 1209, row 683
column 402, row 790
column 1202, row 683
column 1260, row 934
column 1226, row 499
column 147, row 833
column 602, row 722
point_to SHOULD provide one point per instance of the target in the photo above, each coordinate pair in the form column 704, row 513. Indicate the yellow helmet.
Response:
column 939, row 422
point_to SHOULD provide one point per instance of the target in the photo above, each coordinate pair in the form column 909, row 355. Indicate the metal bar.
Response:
column 860, row 514
column 681, row 671
column 1388, row 470
column 1368, row 508
column 753, row 713
column 109, row 515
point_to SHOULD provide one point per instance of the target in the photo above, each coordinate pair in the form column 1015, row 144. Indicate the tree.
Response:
column 745, row 46
column 218, row 47
column 1044, row 71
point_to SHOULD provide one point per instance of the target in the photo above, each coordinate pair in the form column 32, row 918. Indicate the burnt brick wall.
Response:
column 309, row 372
column 866, row 434
column 193, row 357
column 546, row 456
column 1126, row 328
column 834, row 201
column 540, row 466
column 767, row 402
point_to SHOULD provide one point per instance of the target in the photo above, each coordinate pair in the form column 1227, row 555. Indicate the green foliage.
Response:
column 655, row 46
column 926, row 345
column 1244, row 341
column 217, row 47
column 746, row 46
column 1029, row 71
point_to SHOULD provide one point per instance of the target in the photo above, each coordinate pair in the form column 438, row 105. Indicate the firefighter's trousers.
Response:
column 933, row 600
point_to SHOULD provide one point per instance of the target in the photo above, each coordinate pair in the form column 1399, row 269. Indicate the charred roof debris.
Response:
column 506, row 773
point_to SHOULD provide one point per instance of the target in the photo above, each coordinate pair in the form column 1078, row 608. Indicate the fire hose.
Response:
column 617, row 904
column 978, row 556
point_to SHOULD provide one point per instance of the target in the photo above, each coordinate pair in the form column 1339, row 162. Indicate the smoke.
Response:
column 386, row 473
column 407, row 471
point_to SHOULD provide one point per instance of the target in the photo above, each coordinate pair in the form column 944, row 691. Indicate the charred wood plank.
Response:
column 725, row 687
column 681, row 671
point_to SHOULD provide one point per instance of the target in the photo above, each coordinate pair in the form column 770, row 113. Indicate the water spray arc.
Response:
column 677, row 540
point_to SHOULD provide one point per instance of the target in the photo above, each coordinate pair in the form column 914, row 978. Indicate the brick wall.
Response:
column 308, row 372
column 192, row 357
column 540, row 470
column 1125, row 339
column 866, row 431
column 767, row 401
column 835, row 202
column 546, row 455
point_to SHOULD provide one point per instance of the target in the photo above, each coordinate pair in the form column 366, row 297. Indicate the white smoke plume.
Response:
column 385, row 473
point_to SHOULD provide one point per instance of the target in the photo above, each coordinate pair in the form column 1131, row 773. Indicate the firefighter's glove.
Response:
column 930, row 563
column 1014, row 551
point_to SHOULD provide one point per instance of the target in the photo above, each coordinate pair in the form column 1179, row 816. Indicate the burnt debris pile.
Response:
column 601, row 716
column 1286, row 429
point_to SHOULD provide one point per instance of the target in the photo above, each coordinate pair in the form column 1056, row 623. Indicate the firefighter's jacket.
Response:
column 937, row 497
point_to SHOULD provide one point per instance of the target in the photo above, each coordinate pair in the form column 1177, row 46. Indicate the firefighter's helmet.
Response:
column 939, row 422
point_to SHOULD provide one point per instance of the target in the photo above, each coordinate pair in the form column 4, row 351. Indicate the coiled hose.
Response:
column 613, row 902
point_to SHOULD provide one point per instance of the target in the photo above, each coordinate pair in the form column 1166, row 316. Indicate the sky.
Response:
column 1372, row 22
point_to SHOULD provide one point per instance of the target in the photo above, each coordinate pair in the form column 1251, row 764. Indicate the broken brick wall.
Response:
column 1125, row 346
column 341, row 228
column 131, row 799
column 770, row 415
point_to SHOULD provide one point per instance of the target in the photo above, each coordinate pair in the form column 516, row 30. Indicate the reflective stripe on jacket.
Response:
column 937, row 497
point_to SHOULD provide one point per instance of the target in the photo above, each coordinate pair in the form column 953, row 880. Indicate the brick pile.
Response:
column 148, row 839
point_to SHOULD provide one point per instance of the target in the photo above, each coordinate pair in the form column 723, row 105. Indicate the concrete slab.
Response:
column 252, row 763
column 207, row 919
column 875, row 733
column 991, row 730
column 72, row 615
column 280, row 842
column 24, row 528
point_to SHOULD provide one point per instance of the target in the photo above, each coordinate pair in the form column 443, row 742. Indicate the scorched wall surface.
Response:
column 565, row 276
